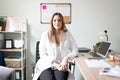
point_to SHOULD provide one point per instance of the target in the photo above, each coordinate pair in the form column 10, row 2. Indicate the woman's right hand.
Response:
column 56, row 65
column 60, row 67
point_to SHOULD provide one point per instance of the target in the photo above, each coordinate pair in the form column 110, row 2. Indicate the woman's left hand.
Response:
column 64, row 64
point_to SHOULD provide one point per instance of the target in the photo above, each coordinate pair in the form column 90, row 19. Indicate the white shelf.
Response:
column 11, row 32
column 12, row 50
column 18, row 68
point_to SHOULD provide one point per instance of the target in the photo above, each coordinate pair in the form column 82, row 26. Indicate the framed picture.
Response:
column 48, row 9
column 8, row 43
column 16, row 24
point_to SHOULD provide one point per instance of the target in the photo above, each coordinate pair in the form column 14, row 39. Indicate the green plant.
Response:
column 98, row 44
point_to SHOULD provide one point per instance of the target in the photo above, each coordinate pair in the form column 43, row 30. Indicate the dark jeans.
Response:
column 51, row 74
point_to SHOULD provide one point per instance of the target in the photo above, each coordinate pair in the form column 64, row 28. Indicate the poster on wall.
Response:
column 48, row 9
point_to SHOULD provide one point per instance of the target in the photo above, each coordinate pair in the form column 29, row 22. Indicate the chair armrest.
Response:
column 33, row 67
column 71, row 64
column 72, row 67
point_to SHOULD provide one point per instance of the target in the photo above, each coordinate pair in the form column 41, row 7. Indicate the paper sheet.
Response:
column 96, row 63
column 115, row 71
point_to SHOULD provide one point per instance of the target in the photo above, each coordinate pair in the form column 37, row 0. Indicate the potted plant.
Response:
column 2, row 23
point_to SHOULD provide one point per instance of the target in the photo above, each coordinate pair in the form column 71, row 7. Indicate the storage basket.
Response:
column 13, row 62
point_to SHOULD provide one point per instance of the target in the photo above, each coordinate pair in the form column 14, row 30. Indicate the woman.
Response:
column 57, row 47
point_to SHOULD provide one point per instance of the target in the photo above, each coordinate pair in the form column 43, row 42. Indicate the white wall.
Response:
column 89, row 17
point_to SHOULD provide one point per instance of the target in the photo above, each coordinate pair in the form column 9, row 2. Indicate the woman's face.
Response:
column 57, row 22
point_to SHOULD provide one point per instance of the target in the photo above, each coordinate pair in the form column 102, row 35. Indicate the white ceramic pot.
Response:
column 0, row 28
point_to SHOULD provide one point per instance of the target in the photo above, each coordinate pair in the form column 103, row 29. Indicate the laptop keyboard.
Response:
column 94, row 54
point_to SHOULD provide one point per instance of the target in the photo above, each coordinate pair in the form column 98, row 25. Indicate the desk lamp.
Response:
column 103, row 35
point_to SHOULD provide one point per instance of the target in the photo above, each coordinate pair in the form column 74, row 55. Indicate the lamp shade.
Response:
column 103, row 36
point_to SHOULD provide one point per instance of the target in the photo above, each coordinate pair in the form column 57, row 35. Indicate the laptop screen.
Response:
column 103, row 49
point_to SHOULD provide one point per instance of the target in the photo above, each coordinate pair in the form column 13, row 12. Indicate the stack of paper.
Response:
column 111, row 71
column 96, row 63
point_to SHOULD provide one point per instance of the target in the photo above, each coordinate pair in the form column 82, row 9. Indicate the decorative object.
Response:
column 48, row 9
column 8, row 43
column 18, row 43
column 0, row 28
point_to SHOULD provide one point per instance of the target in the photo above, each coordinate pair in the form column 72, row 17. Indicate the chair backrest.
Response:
column 37, row 51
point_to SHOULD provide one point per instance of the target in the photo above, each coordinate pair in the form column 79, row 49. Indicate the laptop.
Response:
column 101, row 52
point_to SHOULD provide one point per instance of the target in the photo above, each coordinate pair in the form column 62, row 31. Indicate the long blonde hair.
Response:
column 51, row 32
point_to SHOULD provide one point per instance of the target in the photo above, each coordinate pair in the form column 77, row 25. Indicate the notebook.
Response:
column 101, row 52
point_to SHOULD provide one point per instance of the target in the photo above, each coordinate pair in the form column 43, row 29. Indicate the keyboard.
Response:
column 90, row 55
column 94, row 54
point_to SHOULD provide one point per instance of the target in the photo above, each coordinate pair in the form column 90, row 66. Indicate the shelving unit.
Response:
column 19, row 52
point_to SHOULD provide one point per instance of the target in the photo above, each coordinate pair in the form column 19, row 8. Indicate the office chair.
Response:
column 37, row 57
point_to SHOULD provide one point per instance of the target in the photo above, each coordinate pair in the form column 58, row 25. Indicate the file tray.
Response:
column 83, row 49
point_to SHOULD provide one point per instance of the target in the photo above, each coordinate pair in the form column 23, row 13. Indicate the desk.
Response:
column 91, row 73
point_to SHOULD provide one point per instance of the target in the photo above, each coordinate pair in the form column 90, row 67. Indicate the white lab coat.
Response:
column 48, row 52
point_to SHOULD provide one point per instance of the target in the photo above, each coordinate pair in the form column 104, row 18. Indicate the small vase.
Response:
column 0, row 28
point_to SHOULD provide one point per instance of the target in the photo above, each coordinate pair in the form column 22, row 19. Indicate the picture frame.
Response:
column 16, row 24
column 48, row 9
column 8, row 43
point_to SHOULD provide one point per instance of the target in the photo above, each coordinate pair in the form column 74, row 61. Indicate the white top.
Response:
column 50, row 52
column 58, row 55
